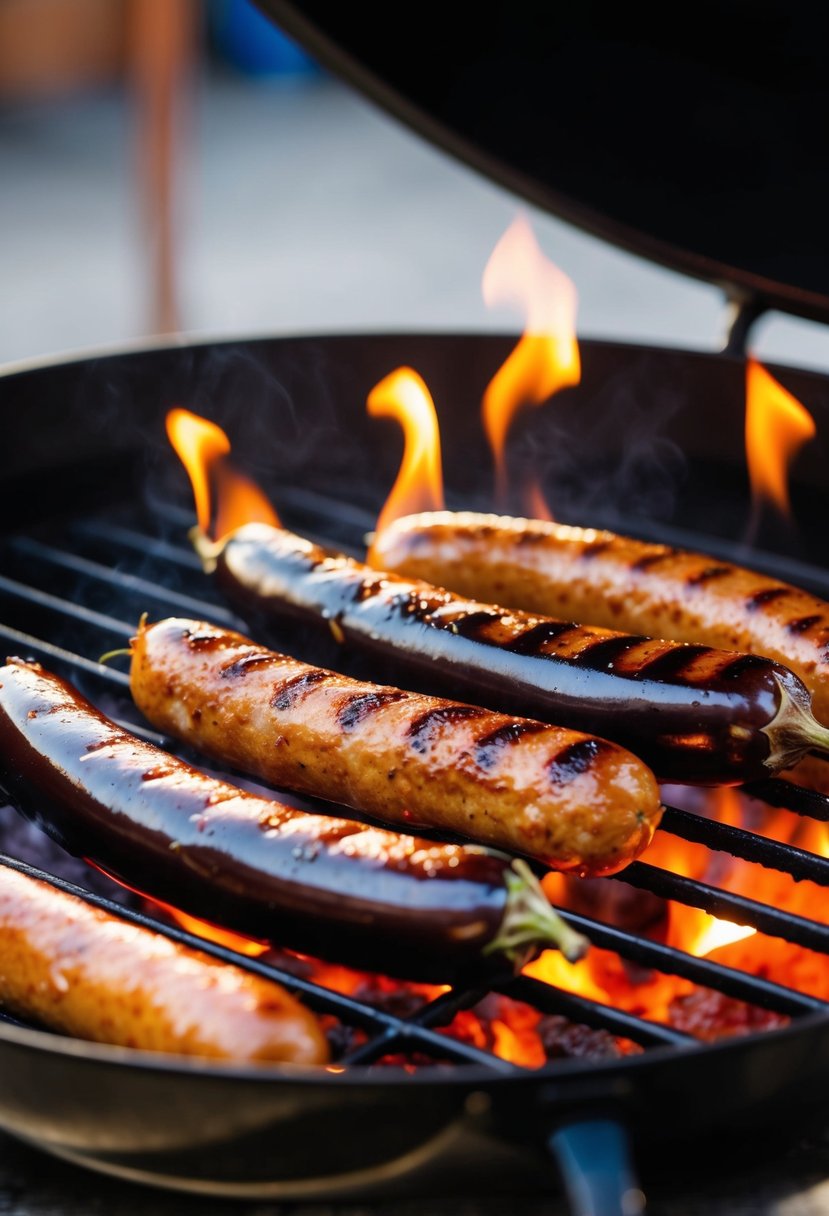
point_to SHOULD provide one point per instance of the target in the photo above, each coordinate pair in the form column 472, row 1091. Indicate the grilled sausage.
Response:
column 576, row 802
column 79, row 970
column 609, row 580
column 330, row 887
column 694, row 714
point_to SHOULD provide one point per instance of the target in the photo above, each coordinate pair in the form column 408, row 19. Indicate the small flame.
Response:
column 720, row 933
column 214, row 933
column 777, row 426
column 403, row 395
column 204, row 450
column 546, row 358
column 199, row 444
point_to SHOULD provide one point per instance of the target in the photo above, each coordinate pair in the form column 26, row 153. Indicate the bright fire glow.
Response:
column 777, row 426
column 204, row 450
column 403, row 395
column 546, row 358
column 720, row 933
column 214, row 933
column 198, row 444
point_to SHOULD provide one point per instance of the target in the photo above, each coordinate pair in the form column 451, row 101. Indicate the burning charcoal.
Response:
column 563, row 1039
column 617, row 904
column 711, row 1015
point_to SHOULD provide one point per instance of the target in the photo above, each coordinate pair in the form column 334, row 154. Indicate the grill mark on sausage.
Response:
column 472, row 624
column 596, row 548
column 707, row 575
column 603, row 653
column 652, row 559
column 367, row 587
column 574, row 760
column 240, row 667
column 202, row 639
column 746, row 662
column 420, row 731
column 672, row 664
column 767, row 596
column 488, row 749
column 292, row 690
column 359, row 706
column 532, row 639
column 803, row 623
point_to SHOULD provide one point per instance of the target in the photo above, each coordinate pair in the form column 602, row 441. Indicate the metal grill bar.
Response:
column 121, row 581
column 790, row 797
column 740, row 843
column 726, row 905
column 589, row 1013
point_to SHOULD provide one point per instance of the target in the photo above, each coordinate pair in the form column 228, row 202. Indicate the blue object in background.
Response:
column 247, row 40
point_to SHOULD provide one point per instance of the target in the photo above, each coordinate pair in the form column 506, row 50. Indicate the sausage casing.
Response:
column 327, row 886
column 574, row 801
column 605, row 579
column 82, row 971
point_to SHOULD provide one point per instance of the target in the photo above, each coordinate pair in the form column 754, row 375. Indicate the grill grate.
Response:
column 76, row 590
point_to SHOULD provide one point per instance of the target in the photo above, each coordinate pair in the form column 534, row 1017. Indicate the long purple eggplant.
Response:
column 693, row 713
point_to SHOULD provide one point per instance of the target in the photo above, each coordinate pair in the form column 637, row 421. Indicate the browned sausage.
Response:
column 574, row 801
column 86, row 973
column 601, row 578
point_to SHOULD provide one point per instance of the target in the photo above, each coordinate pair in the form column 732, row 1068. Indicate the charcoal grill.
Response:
column 97, row 511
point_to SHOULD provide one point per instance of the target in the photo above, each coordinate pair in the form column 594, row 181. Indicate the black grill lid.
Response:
column 694, row 135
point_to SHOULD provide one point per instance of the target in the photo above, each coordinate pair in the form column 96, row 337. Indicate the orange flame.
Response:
column 777, row 426
column 204, row 449
column 403, row 395
column 546, row 358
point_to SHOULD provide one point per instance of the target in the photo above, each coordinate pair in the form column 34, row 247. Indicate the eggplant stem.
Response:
column 793, row 732
column 208, row 551
column 114, row 654
column 530, row 923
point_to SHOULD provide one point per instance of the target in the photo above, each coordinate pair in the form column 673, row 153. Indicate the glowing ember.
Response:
column 546, row 358
column 777, row 426
column 403, row 395
column 204, row 450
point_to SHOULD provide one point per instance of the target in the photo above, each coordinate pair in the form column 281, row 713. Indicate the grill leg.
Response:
column 594, row 1158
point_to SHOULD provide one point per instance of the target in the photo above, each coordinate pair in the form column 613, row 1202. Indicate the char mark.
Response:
column 237, row 668
column 574, row 760
column 652, row 559
column 601, row 655
column 493, row 745
column 672, row 664
column 290, row 691
column 767, row 596
column 367, row 587
column 532, row 639
column 596, row 548
column 708, row 575
column 472, row 624
column 803, row 623
column 361, row 705
column 423, row 728
column 745, row 662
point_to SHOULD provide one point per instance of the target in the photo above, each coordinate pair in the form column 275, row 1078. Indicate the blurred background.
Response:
column 180, row 166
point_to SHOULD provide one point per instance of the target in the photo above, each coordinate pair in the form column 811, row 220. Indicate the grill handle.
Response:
column 594, row 1158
